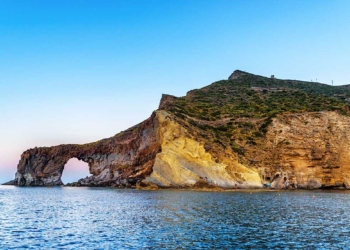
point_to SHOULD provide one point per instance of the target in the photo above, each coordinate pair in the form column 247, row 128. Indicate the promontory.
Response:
column 247, row 131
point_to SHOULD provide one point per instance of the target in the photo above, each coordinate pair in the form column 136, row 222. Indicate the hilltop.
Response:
column 248, row 95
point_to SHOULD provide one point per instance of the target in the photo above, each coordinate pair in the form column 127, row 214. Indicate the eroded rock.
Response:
column 160, row 152
column 130, row 153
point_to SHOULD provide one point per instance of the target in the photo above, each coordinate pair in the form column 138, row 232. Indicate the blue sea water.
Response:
column 105, row 218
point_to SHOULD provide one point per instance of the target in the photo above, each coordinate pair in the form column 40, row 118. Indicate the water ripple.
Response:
column 102, row 218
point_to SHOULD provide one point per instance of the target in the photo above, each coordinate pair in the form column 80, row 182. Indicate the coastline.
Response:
column 199, row 189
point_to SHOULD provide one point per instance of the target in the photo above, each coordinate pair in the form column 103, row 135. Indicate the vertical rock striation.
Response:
column 313, row 149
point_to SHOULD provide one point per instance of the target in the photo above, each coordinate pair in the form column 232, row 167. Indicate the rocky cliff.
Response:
column 243, row 132
column 121, row 160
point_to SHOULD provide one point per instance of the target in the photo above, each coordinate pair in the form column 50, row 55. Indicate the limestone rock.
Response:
column 184, row 161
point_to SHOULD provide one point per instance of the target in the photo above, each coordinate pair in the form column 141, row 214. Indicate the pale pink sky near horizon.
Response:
column 74, row 170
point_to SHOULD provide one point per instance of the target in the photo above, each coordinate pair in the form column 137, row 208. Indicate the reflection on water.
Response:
column 100, row 218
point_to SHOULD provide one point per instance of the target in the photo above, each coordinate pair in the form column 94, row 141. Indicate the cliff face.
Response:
column 158, row 151
column 184, row 161
column 311, row 149
column 121, row 160
column 229, row 134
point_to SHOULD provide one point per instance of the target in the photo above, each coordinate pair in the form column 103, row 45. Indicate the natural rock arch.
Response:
column 127, row 155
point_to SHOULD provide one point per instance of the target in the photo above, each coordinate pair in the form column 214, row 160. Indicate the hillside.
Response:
column 237, row 111
column 255, row 96
column 244, row 132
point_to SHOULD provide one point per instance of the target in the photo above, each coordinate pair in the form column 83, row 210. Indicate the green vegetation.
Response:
column 236, row 99
column 238, row 112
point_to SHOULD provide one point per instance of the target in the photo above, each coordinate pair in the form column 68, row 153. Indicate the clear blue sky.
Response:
column 78, row 71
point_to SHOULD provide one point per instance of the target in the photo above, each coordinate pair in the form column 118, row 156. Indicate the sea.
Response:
column 107, row 218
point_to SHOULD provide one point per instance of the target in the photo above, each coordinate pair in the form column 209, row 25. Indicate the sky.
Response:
column 79, row 71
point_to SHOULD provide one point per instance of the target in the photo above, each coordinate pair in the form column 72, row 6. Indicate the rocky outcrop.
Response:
column 158, row 151
column 174, row 148
column 121, row 160
column 310, row 149
column 166, row 101
column 236, row 74
column 183, row 161
column 10, row 183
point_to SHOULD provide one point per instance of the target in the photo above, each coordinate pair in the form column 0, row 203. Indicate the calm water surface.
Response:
column 103, row 218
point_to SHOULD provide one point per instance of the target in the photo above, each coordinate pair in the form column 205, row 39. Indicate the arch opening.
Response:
column 74, row 170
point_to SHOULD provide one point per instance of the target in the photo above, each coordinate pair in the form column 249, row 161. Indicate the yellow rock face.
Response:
column 184, row 161
column 311, row 150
